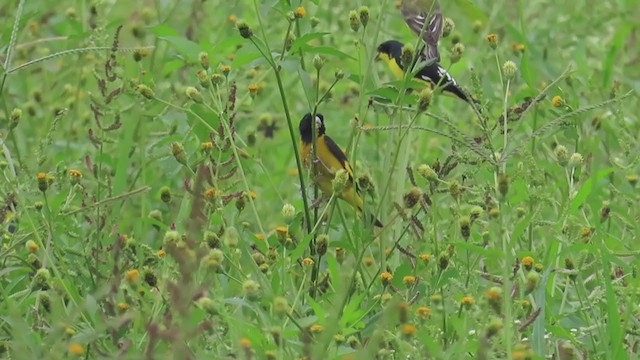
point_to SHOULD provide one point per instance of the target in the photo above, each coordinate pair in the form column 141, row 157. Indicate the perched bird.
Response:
column 435, row 75
column 416, row 13
column 330, row 159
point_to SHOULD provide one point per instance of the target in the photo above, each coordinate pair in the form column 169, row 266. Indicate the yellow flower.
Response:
column 527, row 262
column 161, row 253
column 557, row 101
column 493, row 40
column 253, row 88
column 300, row 12
column 307, row 261
column 386, row 277
column 210, row 193
column 207, row 145
column 518, row 47
column 467, row 301
column 225, row 69
column 368, row 261
column 123, row 306
column 75, row 349
column 251, row 194
column 425, row 257
column 75, row 173
column 260, row 236
column 316, row 328
column 586, row 231
column 409, row 280
column 423, row 311
column 245, row 343
column 408, row 329
column 133, row 276
column 232, row 19
column 32, row 246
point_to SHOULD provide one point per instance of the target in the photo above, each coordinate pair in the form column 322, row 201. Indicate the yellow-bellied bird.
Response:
column 330, row 159
column 433, row 74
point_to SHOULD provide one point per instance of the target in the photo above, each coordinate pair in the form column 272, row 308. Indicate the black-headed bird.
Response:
column 433, row 74
column 416, row 13
column 330, row 159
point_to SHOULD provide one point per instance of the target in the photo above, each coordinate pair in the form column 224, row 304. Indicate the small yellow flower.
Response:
column 225, row 69
column 32, row 246
column 75, row 173
column 207, row 145
column 133, row 276
column 518, row 47
column 252, row 195
column 467, row 301
column 308, row 261
column 232, row 19
column 260, row 236
column 408, row 329
column 425, row 257
column 423, row 311
column 210, row 193
column 300, row 12
column 161, row 253
column 586, row 231
column 253, row 89
column 41, row 176
column 494, row 294
column 493, row 40
column 527, row 262
column 386, row 277
column 409, row 280
column 75, row 349
column 368, row 261
column 282, row 231
column 557, row 101
column 316, row 328
column 123, row 306
column 245, row 343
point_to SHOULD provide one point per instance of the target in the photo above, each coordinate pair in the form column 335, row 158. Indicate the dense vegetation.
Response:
column 153, row 202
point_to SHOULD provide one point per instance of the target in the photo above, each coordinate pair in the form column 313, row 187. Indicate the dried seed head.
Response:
column 427, row 172
column 457, row 51
column 288, row 212
column 340, row 181
column 406, row 57
column 363, row 13
column 165, row 194
column 475, row 212
column 509, row 69
column 447, row 27
column 244, row 29
column 322, row 243
column 503, row 184
column 412, row 197
column 204, row 60
column 194, row 94
column 424, row 99
column 230, row 238
column 465, row 226
column 562, row 155
column 251, row 289
column 177, row 150
column 575, row 160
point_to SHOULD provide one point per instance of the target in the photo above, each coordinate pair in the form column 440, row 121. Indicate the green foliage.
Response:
column 154, row 202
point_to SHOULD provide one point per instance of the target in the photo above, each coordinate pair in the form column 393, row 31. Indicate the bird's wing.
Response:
column 416, row 17
column 437, row 75
column 338, row 160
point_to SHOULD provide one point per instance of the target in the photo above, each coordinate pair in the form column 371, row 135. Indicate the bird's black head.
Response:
column 306, row 129
column 392, row 49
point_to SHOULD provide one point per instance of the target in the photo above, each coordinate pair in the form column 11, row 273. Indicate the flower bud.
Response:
column 244, row 29
column 203, row 78
column 165, row 194
column 340, row 181
column 424, row 99
column 204, row 60
column 231, row 237
column 177, row 150
column 427, row 172
column 363, row 13
column 194, row 94
column 412, row 197
column 533, row 279
column 145, row 91
column 251, row 289
column 575, row 160
column 492, row 39
column 456, row 52
column 300, row 12
column 354, row 20
column 322, row 243
column 318, row 62
column 406, row 57
column 465, row 226
column 562, row 155
column 14, row 118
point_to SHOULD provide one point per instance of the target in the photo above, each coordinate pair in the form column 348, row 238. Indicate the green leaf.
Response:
column 163, row 30
column 304, row 39
column 326, row 50
column 184, row 46
column 588, row 188
column 617, row 43
column 614, row 325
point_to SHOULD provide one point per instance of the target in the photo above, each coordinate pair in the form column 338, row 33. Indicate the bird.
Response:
column 330, row 159
column 434, row 74
column 416, row 13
